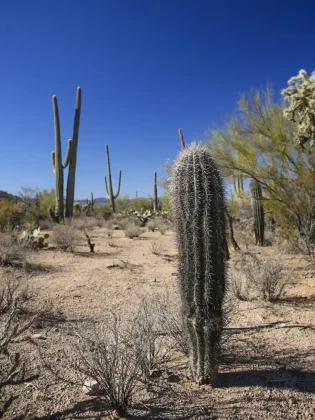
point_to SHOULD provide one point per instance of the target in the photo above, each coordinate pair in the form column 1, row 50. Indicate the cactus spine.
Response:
column 155, row 195
column 70, row 160
column 109, row 183
column 199, row 216
column 258, row 209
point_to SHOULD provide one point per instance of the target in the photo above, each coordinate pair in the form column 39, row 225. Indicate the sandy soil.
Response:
column 265, row 374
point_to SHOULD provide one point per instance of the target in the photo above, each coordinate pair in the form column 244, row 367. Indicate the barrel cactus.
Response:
column 198, row 202
column 258, row 210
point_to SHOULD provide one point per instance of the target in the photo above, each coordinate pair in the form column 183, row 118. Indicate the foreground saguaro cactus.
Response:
column 71, row 158
column 258, row 209
column 197, row 194
column 109, row 184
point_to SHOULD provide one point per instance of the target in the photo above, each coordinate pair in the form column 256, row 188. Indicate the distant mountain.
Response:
column 99, row 200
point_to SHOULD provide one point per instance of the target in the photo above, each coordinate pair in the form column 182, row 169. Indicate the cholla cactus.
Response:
column 301, row 97
column 197, row 194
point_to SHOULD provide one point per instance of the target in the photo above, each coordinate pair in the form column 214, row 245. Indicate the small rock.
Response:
column 39, row 337
column 91, row 387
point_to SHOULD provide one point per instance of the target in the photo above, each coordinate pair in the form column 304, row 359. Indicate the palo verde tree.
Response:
column 259, row 143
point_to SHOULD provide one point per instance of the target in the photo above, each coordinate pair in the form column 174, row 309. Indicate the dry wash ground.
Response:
column 266, row 373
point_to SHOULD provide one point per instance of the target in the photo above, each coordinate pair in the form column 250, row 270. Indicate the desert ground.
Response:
column 266, row 371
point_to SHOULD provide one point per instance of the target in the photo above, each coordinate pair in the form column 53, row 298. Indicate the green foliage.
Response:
column 104, row 211
column 301, row 97
column 140, row 203
column 36, row 204
column 259, row 144
column 9, row 212
column 122, row 203
column 166, row 203
column 199, row 218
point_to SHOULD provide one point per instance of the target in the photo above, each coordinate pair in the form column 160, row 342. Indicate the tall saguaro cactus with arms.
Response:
column 109, row 184
column 197, row 194
column 71, row 159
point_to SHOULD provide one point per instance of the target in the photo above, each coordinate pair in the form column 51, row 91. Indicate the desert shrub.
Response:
column 104, row 211
column 122, row 203
column 156, row 249
column 152, row 225
column 238, row 284
column 140, row 204
column 264, row 274
column 112, row 355
column 123, row 223
column 66, row 237
column 132, row 231
column 163, row 228
column 14, row 297
column 36, row 204
column 12, row 252
column 46, row 224
column 10, row 214
column 77, row 209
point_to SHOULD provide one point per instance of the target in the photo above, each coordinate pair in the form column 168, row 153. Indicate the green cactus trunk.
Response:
column 58, row 166
column 199, row 216
column 73, row 156
column 109, row 184
column 155, row 194
column 258, row 210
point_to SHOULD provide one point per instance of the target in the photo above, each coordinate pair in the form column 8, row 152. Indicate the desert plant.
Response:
column 258, row 210
column 77, row 209
column 8, row 213
column 71, row 161
column 12, row 252
column 152, row 225
column 301, row 97
column 14, row 295
column 105, row 211
column 199, row 216
column 109, row 183
column 155, row 195
column 156, row 249
column 112, row 356
column 265, row 275
column 65, row 237
column 132, row 231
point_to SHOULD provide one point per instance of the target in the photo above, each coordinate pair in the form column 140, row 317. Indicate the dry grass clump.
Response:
column 254, row 276
column 66, row 237
column 12, row 252
column 132, row 231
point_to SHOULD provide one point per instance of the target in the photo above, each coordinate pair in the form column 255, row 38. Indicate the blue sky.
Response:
column 145, row 69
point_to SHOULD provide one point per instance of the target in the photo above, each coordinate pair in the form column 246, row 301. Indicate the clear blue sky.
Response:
column 146, row 67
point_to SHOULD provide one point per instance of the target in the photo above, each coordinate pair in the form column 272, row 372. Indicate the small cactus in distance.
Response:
column 155, row 195
column 258, row 210
column 198, row 202
column 109, row 184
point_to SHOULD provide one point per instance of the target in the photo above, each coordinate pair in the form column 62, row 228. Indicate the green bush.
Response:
column 104, row 211
column 9, row 214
